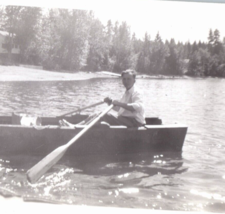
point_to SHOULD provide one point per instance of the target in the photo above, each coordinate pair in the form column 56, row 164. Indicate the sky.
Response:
column 183, row 21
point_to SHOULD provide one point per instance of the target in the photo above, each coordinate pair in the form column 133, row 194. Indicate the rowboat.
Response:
column 45, row 136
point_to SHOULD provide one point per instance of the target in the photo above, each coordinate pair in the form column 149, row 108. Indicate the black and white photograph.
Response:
column 116, row 105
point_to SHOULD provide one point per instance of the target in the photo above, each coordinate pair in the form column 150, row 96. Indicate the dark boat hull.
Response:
column 99, row 140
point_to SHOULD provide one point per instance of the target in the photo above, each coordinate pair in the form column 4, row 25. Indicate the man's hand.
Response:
column 108, row 100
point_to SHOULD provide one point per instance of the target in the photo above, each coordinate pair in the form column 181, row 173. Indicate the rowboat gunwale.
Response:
column 99, row 140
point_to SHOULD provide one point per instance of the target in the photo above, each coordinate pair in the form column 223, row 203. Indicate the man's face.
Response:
column 128, row 81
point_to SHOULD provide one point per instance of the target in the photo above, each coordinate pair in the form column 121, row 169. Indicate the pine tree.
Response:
column 27, row 33
column 172, row 64
column 194, row 47
column 217, row 46
column 158, row 38
column 136, row 44
column 107, row 62
column 122, row 47
column 143, row 62
column 210, row 37
column 97, row 46
column 210, row 41
column 159, row 53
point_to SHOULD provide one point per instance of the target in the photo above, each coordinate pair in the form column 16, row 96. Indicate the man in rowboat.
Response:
column 130, row 107
column 130, row 110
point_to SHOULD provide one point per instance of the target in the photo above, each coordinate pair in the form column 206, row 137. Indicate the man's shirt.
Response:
column 133, row 98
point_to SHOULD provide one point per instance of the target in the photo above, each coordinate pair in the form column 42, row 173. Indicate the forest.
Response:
column 74, row 40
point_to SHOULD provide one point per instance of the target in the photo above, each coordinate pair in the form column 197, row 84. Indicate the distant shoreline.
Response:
column 36, row 73
column 19, row 73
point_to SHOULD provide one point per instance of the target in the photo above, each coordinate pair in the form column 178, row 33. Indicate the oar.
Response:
column 80, row 109
column 46, row 163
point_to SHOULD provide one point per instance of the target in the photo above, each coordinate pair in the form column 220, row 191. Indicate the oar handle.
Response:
column 93, row 122
column 80, row 109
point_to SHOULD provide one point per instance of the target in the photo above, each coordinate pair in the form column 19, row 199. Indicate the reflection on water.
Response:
column 94, row 183
column 190, row 181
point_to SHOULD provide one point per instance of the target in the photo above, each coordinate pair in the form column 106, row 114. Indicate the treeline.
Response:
column 72, row 40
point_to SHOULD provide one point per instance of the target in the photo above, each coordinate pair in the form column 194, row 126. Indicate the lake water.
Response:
column 191, row 181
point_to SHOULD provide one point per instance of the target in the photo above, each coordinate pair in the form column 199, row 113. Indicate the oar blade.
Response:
column 45, row 164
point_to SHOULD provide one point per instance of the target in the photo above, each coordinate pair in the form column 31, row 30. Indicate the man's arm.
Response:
column 135, row 105
column 126, row 106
